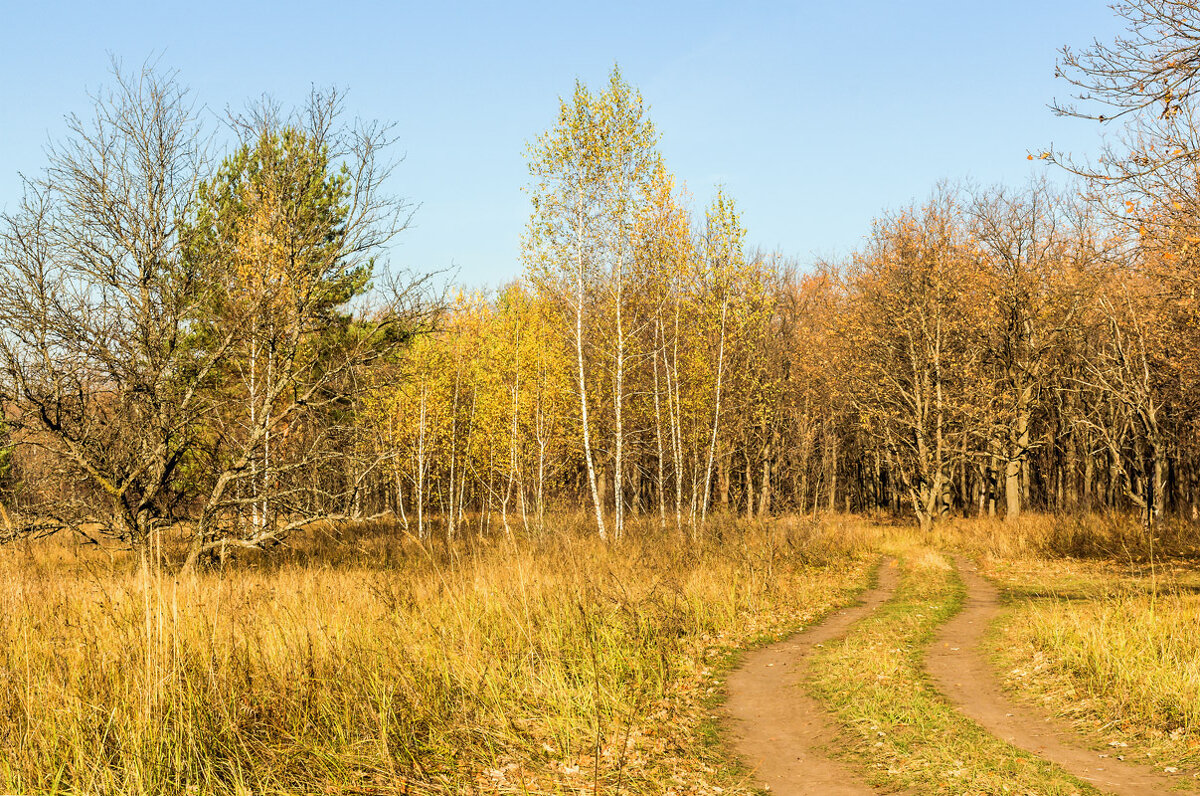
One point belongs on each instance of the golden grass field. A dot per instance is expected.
(1112, 646)
(368, 663)
(379, 665)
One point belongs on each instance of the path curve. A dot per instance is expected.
(962, 673)
(779, 730)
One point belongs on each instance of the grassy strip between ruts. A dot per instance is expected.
(902, 732)
(1111, 647)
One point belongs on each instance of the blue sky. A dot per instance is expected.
(815, 116)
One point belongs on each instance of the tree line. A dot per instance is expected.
(215, 345)
(989, 351)
(985, 353)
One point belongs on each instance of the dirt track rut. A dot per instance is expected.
(780, 731)
(958, 667)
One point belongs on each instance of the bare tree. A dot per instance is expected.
(1147, 78)
(129, 301)
(1155, 65)
(97, 306)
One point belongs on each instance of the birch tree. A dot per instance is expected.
(724, 261)
(588, 172)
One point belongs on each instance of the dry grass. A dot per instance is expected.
(1101, 626)
(1101, 629)
(1112, 647)
(1103, 536)
(377, 665)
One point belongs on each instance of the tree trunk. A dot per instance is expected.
(712, 447)
(618, 401)
(660, 487)
(580, 296)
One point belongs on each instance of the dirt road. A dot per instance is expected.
(780, 731)
(961, 672)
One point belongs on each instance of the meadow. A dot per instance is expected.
(362, 661)
(1107, 638)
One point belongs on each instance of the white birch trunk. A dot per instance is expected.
(712, 447)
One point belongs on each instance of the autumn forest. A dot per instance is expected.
(987, 351)
(668, 512)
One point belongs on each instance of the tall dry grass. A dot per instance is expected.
(1111, 645)
(1138, 653)
(1101, 625)
(379, 665)
(1108, 536)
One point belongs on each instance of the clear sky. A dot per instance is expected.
(815, 116)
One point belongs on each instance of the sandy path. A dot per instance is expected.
(963, 675)
(779, 730)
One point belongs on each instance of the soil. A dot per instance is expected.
(777, 729)
(962, 673)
